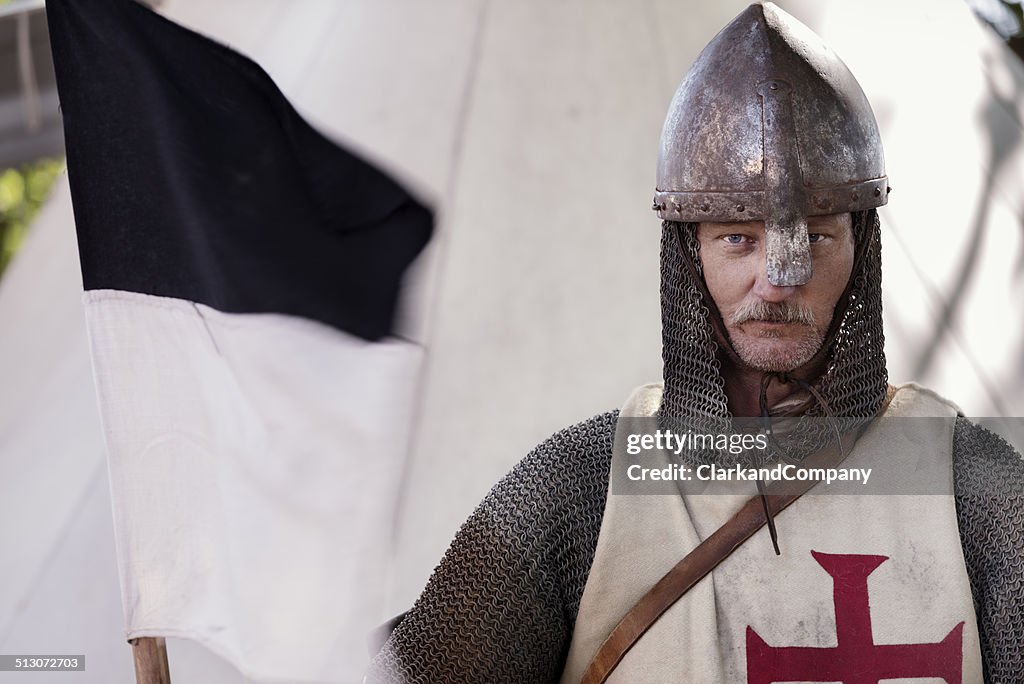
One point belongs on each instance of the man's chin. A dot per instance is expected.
(774, 355)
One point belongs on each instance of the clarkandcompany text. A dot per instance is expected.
(737, 473)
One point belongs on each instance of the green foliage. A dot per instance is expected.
(22, 192)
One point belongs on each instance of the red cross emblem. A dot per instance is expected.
(856, 659)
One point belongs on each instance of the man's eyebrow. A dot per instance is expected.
(727, 227)
(825, 222)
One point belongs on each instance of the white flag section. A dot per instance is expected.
(255, 460)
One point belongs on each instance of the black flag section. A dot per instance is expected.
(193, 177)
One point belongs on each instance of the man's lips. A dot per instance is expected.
(762, 328)
(759, 321)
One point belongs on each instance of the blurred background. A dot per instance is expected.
(532, 128)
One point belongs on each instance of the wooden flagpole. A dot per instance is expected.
(150, 660)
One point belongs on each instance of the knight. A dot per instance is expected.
(769, 175)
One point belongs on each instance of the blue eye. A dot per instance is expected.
(815, 237)
(734, 239)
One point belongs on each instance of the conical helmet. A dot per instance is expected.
(770, 125)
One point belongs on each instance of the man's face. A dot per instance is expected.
(775, 328)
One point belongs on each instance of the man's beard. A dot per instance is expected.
(757, 355)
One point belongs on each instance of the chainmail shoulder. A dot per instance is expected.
(501, 605)
(988, 480)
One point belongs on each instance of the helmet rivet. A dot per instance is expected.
(856, 197)
(774, 86)
(878, 192)
(675, 205)
(705, 207)
(740, 208)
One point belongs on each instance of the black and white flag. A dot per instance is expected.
(241, 276)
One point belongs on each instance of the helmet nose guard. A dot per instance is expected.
(769, 124)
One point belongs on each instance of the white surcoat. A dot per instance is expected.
(887, 569)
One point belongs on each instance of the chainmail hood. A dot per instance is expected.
(854, 381)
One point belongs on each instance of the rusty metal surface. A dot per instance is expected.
(769, 124)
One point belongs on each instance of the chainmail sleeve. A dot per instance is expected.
(501, 605)
(988, 478)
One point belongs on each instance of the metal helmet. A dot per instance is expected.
(769, 125)
(736, 149)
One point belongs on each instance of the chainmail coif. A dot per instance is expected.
(855, 379)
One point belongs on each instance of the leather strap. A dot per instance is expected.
(698, 563)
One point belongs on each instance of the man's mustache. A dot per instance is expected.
(772, 312)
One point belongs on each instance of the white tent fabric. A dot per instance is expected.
(533, 126)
